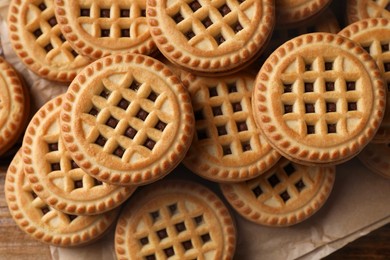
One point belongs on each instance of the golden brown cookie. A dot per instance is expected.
(36, 38)
(286, 195)
(14, 106)
(228, 146)
(362, 9)
(319, 99)
(373, 35)
(376, 158)
(208, 37)
(178, 220)
(44, 223)
(127, 120)
(55, 177)
(100, 28)
(289, 12)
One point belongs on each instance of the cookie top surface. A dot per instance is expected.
(127, 119)
(99, 28)
(228, 146)
(373, 35)
(177, 219)
(14, 106)
(295, 11)
(55, 176)
(285, 195)
(362, 9)
(319, 99)
(44, 223)
(210, 36)
(36, 38)
(376, 158)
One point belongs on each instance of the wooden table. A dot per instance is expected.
(15, 244)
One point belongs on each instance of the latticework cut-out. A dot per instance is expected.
(37, 39)
(203, 35)
(227, 145)
(163, 223)
(315, 95)
(134, 113)
(97, 29)
(326, 101)
(44, 223)
(285, 195)
(57, 178)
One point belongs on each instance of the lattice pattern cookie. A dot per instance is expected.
(127, 120)
(55, 176)
(14, 106)
(319, 99)
(99, 28)
(376, 158)
(228, 146)
(175, 220)
(292, 12)
(286, 195)
(362, 9)
(37, 40)
(44, 223)
(374, 36)
(210, 36)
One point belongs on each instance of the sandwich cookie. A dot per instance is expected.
(127, 120)
(319, 99)
(373, 35)
(175, 219)
(100, 28)
(44, 223)
(55, 177)
(228, 146)
(286, 195)
(37, 40)
(209, 37)
(14, 107)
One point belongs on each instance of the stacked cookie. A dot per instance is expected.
(231, 96)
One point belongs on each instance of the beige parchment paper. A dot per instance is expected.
(359, 202)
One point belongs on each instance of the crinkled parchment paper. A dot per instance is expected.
(359, 202)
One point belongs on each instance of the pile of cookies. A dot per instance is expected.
(261, 98)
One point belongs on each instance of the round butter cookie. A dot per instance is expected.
(286, 195)
(37, 39)
(14, 106)
(376, 158)
(290, 12)
(100, 28)
(55, 177)
(228, 146)
(373, 35)
(127, 119)
(208, 37)
(319, 99)
(362, 9)
(44, 223)
(177, 220)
